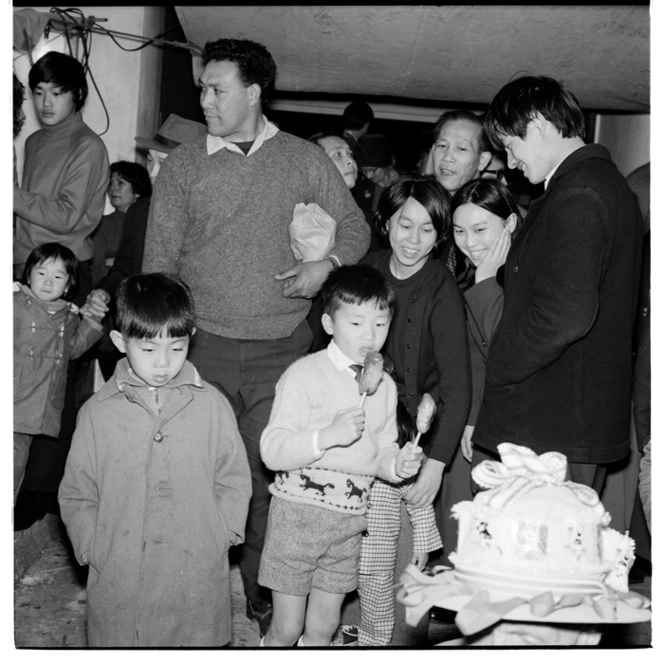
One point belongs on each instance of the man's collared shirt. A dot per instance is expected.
(555, 168)
(216, 143)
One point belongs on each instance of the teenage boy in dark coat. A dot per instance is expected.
(560, 365)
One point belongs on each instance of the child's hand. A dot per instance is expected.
(95, 305)
(494, 257)
(347, 427)
(99, 294)
(420, 560)
(408, 460)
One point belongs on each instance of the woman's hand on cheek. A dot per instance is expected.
(494, 257)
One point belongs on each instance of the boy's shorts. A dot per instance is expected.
(310, 547)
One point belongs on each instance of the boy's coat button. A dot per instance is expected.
(158, 437)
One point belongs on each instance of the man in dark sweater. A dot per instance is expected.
(559, 369)
(219, 219)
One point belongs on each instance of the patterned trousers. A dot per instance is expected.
(378, 557)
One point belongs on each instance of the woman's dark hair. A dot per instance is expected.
(62, 70)
(427, 191)
(518, 102)
(493, 196)
(253, 60)
(314, 138)
(54, 251)
(148, 303)
(18, 95)
(136, 175)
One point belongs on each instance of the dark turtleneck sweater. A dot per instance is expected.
(61, 198)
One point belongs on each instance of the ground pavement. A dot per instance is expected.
(50, 602)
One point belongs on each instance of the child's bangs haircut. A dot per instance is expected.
(148, 304)
(424, 189)
(357, 284)
(518, 102)
(52, 251)
(61, 70)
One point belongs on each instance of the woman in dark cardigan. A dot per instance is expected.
(428, 341)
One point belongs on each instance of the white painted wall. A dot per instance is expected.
(627, 137)
(128, 82)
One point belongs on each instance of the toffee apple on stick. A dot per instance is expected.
(425, 413)
(372, 374)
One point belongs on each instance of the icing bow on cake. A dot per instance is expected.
(523, 468)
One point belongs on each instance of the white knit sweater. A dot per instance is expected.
(308, 396)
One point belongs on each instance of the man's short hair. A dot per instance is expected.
(518, 102)
(463, 114)
(62, 70)
(149, 303)
(135, 174)
(356, 115)
(357, 284)
(254, 62)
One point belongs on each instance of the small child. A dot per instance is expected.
(48, 332)
(157, 486)
(327, 451)
(378, 555)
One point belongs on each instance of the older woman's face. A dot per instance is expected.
(340, 153)
(121, 193)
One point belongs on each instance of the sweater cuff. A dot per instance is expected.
(95, 323)
(316, 449)
(334, 259)
(393, 470)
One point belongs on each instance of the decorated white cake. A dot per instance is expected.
(532, 524)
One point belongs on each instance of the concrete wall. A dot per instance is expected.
(128, 81)
(627, 137)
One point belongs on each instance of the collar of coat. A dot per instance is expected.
(591, 151)
(124, 378)
(54, 305)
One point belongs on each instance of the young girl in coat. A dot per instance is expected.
(428, 345)
(484, 218)
(48, 332)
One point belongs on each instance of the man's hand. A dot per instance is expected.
(467, 443)
(305, 279)
(426, 485)
(408, 460)
(346, 427)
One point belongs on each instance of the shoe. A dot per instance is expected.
(347, 636)
(31, 506)
(261, 612)
(444, 616)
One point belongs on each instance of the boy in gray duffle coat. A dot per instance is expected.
(157, 483)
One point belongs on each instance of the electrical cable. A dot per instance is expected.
(74, 20)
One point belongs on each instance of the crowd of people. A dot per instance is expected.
(243, 406)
